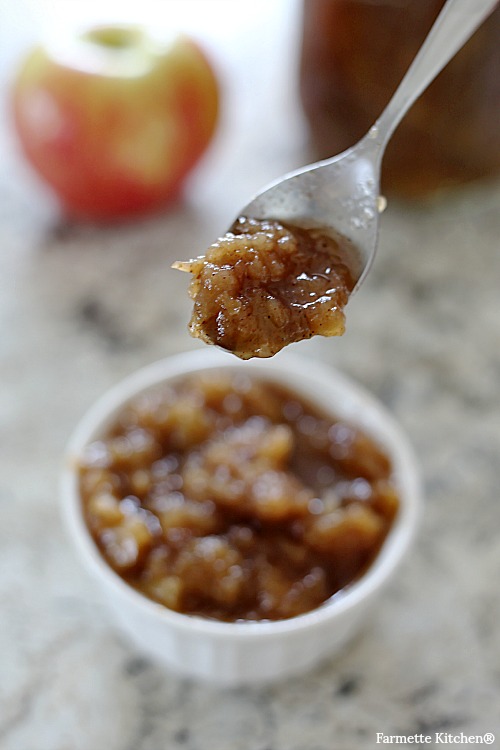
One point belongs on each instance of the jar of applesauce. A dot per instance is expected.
(354, 54)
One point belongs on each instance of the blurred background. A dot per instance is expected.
(82, 304)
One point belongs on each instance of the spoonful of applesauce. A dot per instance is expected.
(286, 268)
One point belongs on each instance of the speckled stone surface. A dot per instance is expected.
(81, 307)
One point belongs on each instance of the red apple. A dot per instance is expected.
(114, 120)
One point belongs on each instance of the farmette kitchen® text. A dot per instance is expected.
(437, 738)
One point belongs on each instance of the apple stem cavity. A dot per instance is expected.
(112, 37)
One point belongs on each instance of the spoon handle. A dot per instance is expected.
(453, 27)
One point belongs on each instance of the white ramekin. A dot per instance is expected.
(241, 653)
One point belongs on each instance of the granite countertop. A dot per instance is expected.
(82, 306)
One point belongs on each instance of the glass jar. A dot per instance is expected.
(354, 54)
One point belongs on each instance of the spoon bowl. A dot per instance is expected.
(341, 195)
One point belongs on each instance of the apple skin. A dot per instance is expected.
(116, 121)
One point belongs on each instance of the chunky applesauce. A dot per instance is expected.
(232, 498)
(265, 285)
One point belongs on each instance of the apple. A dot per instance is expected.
(114, 119)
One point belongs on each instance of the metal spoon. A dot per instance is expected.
(341, 194)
